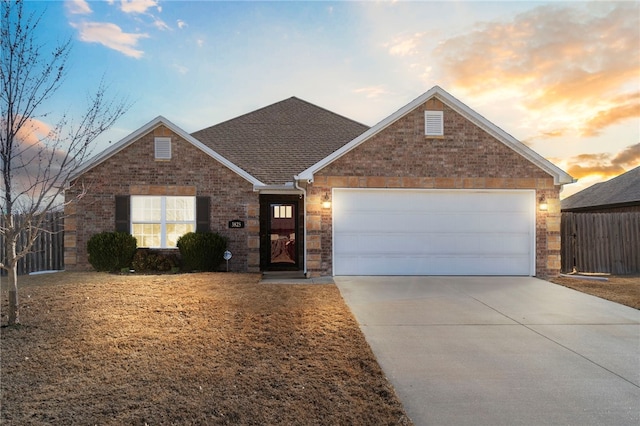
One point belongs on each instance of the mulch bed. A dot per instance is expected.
(187, 349)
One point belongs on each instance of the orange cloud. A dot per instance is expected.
(555, 132)
(33, 132)
(627, 106)
(565, 60)
(604, 165)
(630, 156)
(603, 170)
(37, 149)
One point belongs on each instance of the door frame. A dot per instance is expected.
(266, 200)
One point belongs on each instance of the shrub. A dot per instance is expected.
(111, 251)
(201, 251)
(146, 260)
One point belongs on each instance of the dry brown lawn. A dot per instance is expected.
(187, 349)
(621, 289)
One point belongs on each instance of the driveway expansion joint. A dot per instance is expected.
(528, 327)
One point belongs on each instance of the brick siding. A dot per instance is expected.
(134, 171)
(401, 156)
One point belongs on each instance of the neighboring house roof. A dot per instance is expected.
(560, 177)
(617, 192)
(276, 142)
(156, 122)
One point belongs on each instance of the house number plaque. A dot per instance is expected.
(236, 224)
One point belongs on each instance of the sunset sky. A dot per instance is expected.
(562, 77)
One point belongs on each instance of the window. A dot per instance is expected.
(159, 221)
(433, 123)
(282, 212)
(162, 148)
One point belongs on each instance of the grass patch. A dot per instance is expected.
(187, 349)
(620, 289)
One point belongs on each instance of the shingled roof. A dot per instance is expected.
(278, 141)
(617, 192)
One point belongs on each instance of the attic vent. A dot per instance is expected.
(163, 148)
(433, 125)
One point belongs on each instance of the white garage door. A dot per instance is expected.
(433, 232)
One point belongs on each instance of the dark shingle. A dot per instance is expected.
(622, 189)
(278, 141)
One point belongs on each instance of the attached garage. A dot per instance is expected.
(433, 232)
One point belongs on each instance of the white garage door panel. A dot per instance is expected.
(432, 265)
(416, 232)
(436, 243)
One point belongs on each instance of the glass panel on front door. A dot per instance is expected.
(282, 232)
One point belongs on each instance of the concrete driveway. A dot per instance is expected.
(500, 350)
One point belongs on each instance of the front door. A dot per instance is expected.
(279, 231)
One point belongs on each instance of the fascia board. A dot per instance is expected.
(560, 177)
(117, 147)
(287, 188)
(160, 120)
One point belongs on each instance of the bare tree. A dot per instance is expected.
(37, 159)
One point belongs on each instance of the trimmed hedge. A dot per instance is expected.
(201, 251)
(111, 251)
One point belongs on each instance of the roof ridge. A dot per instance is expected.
(257, 140)
(243, 115)
(329, 111)
(277, 103)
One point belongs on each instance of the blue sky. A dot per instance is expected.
(563, 77)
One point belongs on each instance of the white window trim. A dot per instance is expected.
(162, 148)
(163, 219)
(433, 123)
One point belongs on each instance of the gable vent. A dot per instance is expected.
(163, 148)
(433, 123)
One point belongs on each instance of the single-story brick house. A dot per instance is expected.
(433, 189)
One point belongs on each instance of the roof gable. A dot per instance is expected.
(275, 142)
(560, 177)
(156, 122)
(621, 190)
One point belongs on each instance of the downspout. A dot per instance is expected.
(304, 194)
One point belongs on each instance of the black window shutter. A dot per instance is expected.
(203, 206)
(123, 211)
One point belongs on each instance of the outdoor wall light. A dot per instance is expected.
(326, 202)
(542, 204)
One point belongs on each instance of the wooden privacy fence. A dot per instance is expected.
(47, 252)
(601, 242)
